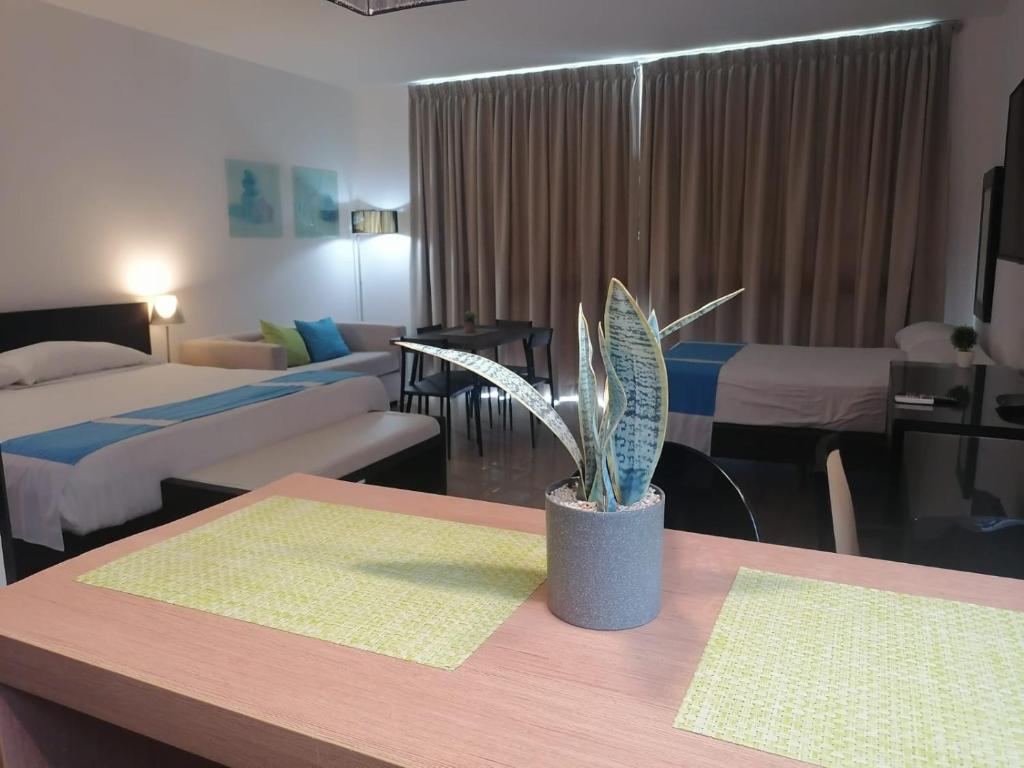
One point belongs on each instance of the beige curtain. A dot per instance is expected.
(521, 193)
(813, 174)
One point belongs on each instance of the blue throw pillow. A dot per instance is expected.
(322, 340)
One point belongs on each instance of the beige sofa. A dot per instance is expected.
(372, 353)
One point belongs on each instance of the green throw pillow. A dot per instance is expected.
(288, 338)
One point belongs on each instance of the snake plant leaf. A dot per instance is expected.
(587, 407)
(634, 353)
(652, 320)
(685, 320)
(515, 385)
(615, 407)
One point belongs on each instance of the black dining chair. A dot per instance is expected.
(700, 497)
(416, 369)
(525, 326)
(445, 385)
(6, 540)
(539, 339)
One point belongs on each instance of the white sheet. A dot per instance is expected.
(122, 481)
(841, 388)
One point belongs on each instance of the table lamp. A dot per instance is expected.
(370, 222)
(166, 312)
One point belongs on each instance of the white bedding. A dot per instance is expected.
(122, 481)
(841, 388)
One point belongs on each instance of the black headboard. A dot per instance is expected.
(124, 324)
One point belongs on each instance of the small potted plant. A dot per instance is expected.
(964, 338)
(469, 321)
(604, 524)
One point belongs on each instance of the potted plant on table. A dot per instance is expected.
(604, 525)
(469, 321)
(964, 339)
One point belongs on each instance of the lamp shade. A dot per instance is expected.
(374, 222)
(166, 311)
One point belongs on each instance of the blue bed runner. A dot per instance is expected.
(69, 445)
(693, 368)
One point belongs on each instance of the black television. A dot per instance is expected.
(1011, 234)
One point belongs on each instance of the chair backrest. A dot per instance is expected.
(540, 337)
(844, 523)
(700, 496)
(8, 572)
(514, 323)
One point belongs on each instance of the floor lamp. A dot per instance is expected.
(370, 222)
(166, 312)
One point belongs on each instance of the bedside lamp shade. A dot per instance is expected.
(374, 222)
(166, 311)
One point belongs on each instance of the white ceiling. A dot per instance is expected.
(317, 39)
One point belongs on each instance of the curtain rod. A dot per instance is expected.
(646, 58)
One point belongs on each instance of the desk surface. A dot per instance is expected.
(539, 692)
(977, 387)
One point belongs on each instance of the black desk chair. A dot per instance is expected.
(445, 385)
(700, 497)
(503, 399)
(416, 369)
(6, 540)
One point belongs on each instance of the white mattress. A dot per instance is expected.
(122, 481)
(840, 388)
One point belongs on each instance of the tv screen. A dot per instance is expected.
(1011, 236)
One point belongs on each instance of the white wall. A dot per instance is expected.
(112, 149)
(380, 179)
(988, 62)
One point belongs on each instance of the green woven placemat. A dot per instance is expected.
(837, 675)
(416, 588)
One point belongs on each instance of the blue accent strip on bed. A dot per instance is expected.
(209, 405)
(693, 369)
(314, 377)
(69, 445)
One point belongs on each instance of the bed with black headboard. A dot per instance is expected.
(124, 324)
(63, 506)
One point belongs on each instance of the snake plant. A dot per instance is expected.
(620, 443)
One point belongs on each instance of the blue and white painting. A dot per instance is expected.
(254, 199)
(315, 197)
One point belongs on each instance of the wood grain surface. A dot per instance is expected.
(538, 693)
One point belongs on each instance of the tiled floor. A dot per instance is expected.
(782, 497)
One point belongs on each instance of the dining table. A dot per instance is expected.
(94, 672)
(478, 339)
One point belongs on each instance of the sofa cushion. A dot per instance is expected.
(323, 340)
(289, 338)
(373, 363)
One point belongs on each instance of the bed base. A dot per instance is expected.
(421, 467)
(796, 445)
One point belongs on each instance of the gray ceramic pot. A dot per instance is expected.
(604, 570)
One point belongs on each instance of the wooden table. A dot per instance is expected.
(538, 693)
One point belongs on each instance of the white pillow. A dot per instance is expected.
(919, 333)
(59, 359)
(942, 351)
(8, 376)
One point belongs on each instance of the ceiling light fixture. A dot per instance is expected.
(377, 7)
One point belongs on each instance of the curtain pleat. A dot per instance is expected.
(521, 193)
(813, 174)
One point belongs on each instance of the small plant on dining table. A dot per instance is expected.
(469, 321)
